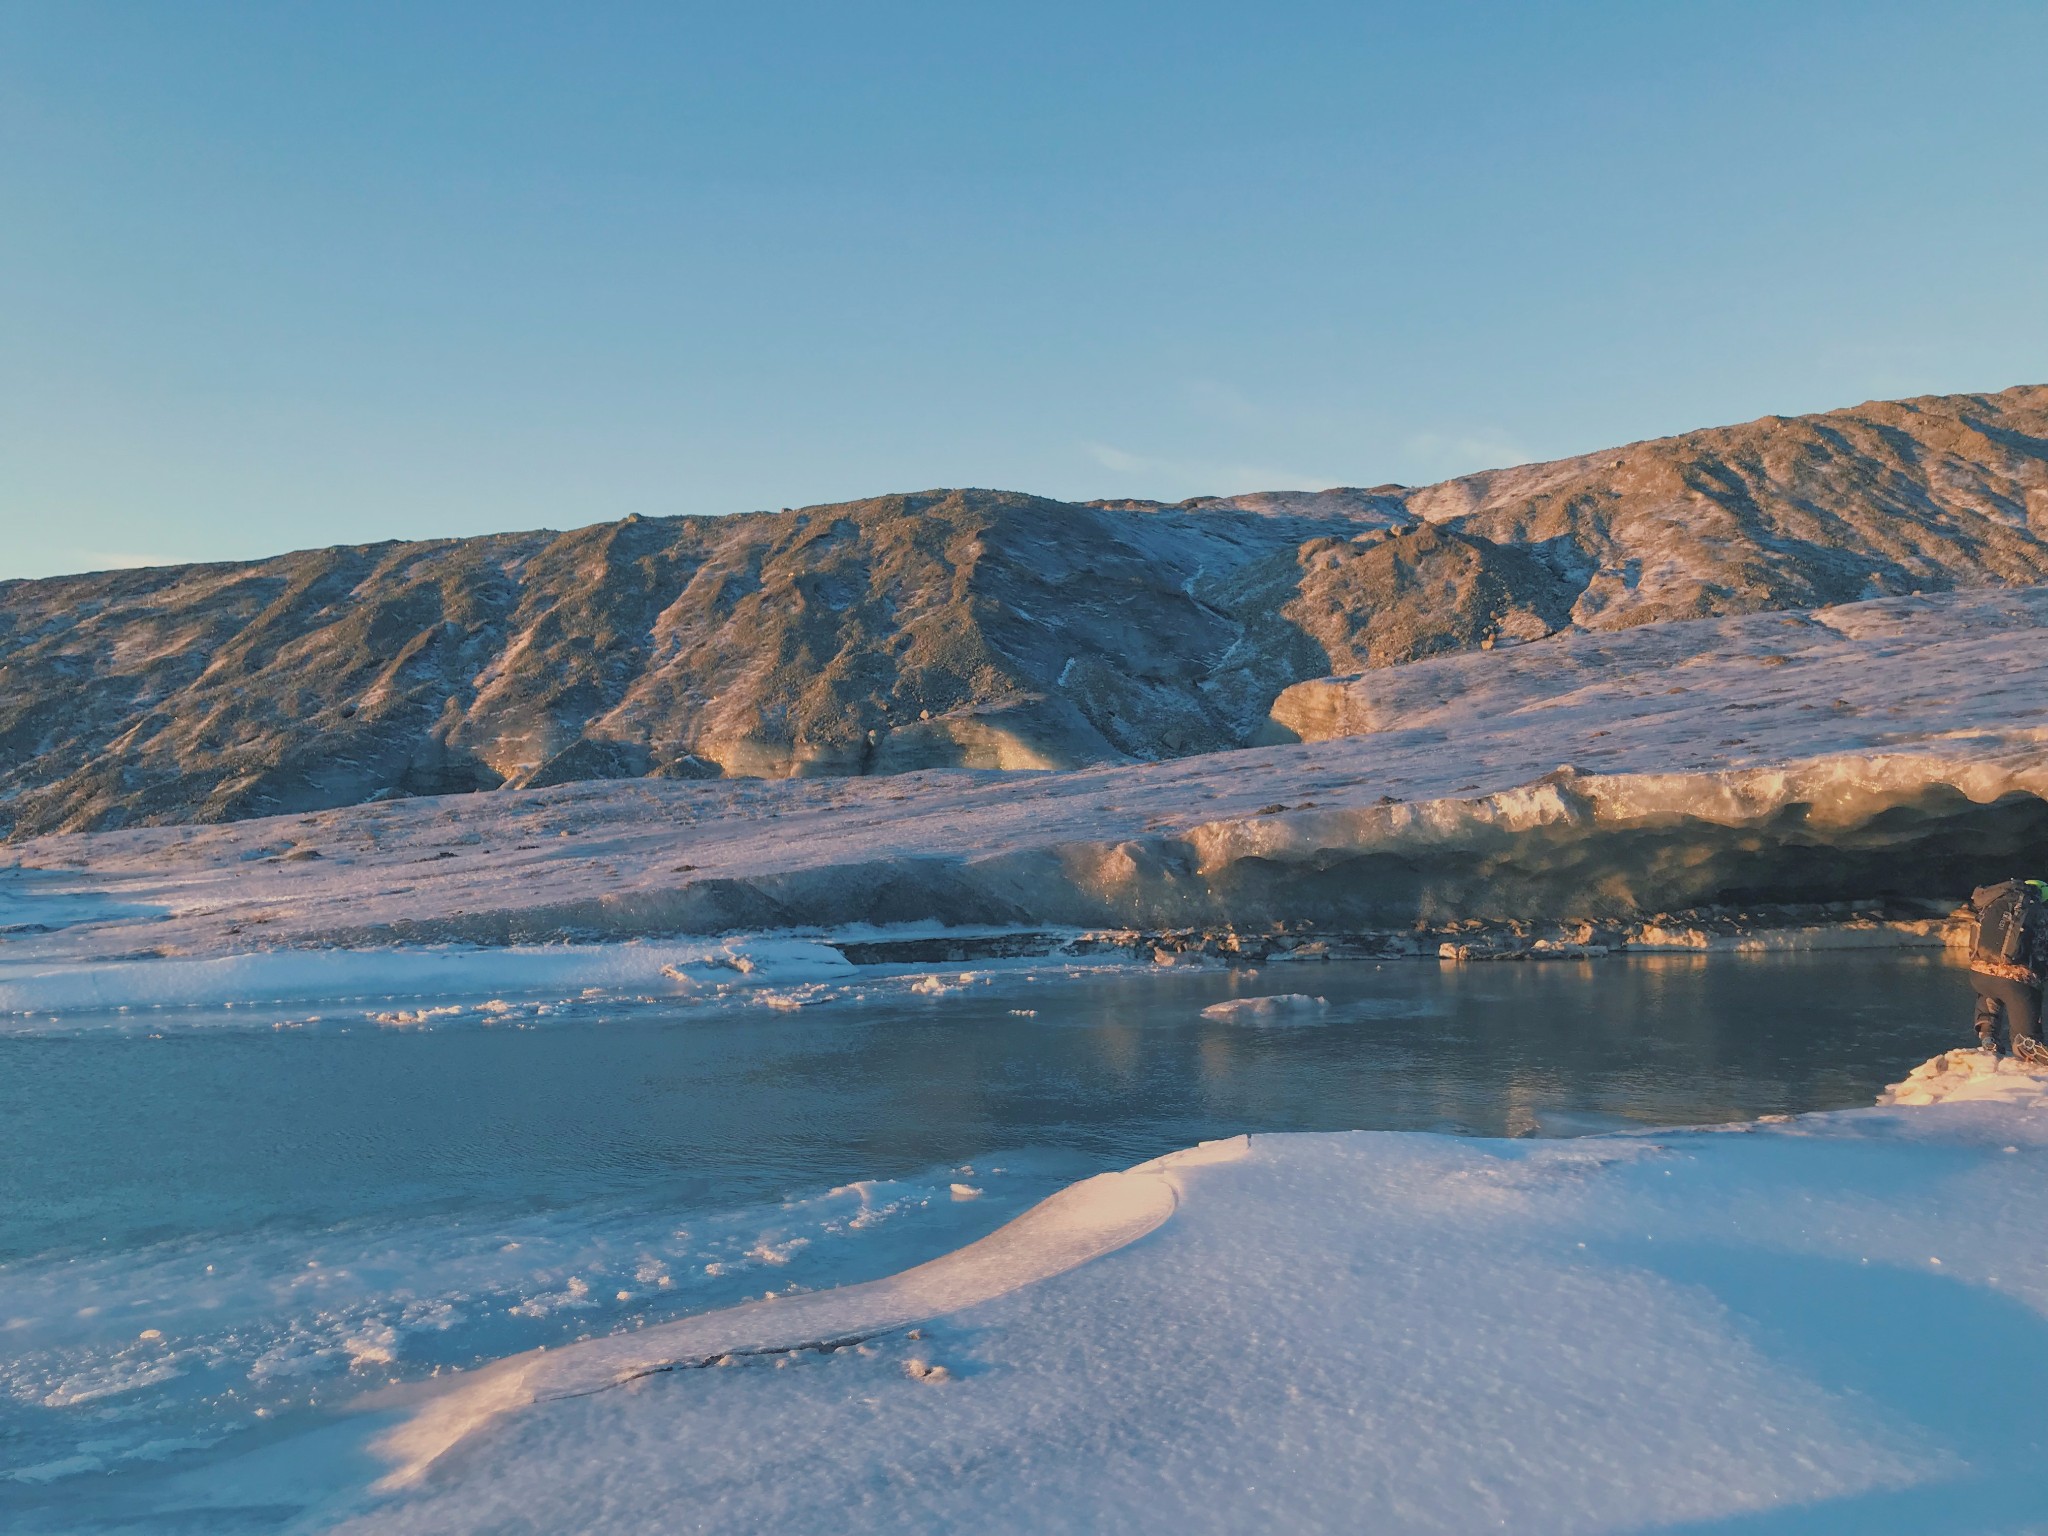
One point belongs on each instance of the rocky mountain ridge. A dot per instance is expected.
(958, 628)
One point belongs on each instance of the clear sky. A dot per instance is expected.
(277, 275)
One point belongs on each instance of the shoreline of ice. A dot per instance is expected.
(1405, 1330)
(1300, 1327)
(419, 984)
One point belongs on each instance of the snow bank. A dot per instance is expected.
(282, 976)
(1972, 1077)
(1079, 1223)
(1834, 1323)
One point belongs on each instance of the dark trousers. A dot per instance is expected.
(2019, 1002)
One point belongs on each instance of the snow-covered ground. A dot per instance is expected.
(1832, 1323)
(1871, 747)
(218, 1236)
(1860, 676)
(1828, 1324)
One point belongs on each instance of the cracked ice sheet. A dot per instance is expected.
(1839, 1319)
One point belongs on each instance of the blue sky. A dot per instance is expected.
(279, 275)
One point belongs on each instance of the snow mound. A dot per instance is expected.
(1971, 1077)
(1286, 1008)
(1081, 1222)
(1406, 1334)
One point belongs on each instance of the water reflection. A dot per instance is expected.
(121, 1139)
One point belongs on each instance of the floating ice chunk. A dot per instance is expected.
(414, 1018)
(938, 986)
(110, 1380)
(376, 1345)
(575, 1293)
(790, 999)
(1286, 1008)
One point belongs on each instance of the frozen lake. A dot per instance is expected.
(214, 1231)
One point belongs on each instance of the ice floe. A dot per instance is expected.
(1284, 1008)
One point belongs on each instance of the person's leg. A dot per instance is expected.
(2023, 1020)
(1988, 1015)
(2020, 1004)
(1991, 1009)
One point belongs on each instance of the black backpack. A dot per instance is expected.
(2006, 912)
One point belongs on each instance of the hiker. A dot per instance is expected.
(2008, 962)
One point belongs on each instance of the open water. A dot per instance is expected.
(215, 1232)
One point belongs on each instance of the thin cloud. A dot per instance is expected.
(1118, 462)
(1218, 401)
(1202, 477)
(1444, 454)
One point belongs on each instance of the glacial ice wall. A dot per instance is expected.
(1892, 751)
(1568, 847)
